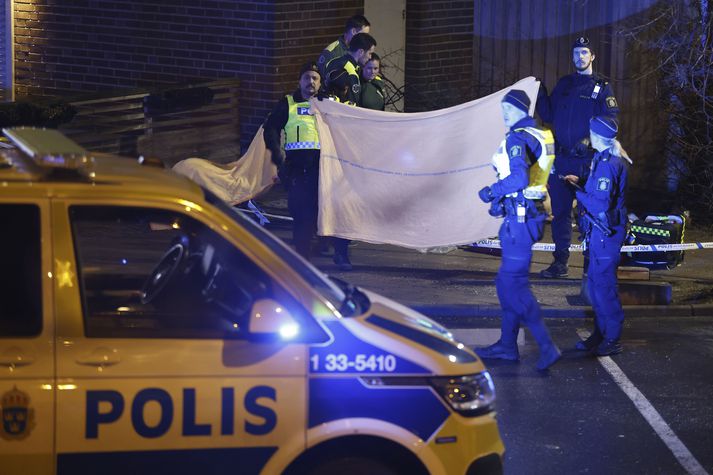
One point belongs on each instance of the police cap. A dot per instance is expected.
(582, 42)
(309, 66)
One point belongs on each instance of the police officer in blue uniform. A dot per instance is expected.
(522, 226)
(575, 99)
(605, 230)
(298, 165)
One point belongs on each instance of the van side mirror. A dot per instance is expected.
(270, 321)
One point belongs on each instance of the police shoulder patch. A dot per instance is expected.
(603, 184)
(611, 102)
(356, 88)
(515, 151)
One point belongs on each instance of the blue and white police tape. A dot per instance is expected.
(544, 246)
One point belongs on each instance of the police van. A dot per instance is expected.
(148, 327)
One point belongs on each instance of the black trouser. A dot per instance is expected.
(302, 201)
(562, 198)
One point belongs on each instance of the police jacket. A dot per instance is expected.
(342, 79)
(372, 94)
(522, 149)
(336, 49)
(274, 125)
(603, 194)
(575, 99)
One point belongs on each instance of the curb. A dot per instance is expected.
(464, 315)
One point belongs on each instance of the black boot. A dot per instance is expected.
(342, 262)
(608, 348)
(591, 342)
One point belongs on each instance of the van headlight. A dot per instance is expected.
(470, 395)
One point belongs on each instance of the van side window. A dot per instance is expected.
(21, 275)
(151, 273)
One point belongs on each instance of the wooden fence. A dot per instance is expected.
(199, 120)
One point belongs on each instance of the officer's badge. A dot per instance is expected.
(303, 111)
(356, 88)
(603, 184)
(515, 151)
(321, 59)
(611, 102)
(18, 418)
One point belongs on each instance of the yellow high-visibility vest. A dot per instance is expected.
(539, 171)
(301, 127)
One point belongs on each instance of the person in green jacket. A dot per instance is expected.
(372, 86)
(338, 48)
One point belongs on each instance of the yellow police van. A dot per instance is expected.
(148, 327)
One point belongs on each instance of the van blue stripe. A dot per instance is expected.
(439, 345)
(416, 409)
(249, 461)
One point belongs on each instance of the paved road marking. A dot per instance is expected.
(682, 454)
(482, 336)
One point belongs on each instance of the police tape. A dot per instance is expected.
(542, 246)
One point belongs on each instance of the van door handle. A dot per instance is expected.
(14, 357)
(100, 357)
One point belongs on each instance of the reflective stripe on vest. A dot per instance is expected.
(301, 127)
(539, 171)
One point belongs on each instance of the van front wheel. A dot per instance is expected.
(352, 466)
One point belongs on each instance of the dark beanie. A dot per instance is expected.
(519, 99)
(309, 66)
(604, 126)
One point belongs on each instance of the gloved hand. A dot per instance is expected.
(486, 194)
(497, 209)
(581, 148)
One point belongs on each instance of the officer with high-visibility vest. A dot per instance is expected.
(298, 164)
(523, 164)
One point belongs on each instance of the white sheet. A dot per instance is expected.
(410, 179)
(405, 179)
(234, 182)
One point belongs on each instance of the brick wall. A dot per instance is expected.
(72, 47)
(439, 54)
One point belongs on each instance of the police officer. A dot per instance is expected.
(603, 200)
(298, 164)
(372, 86)
(575, 99)
(337, 49)
(523, 162)
(342, 75)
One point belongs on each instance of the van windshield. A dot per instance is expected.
(328, 289)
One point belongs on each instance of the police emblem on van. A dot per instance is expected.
(18, 418)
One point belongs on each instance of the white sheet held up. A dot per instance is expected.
(237, 181)
(410, 179)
